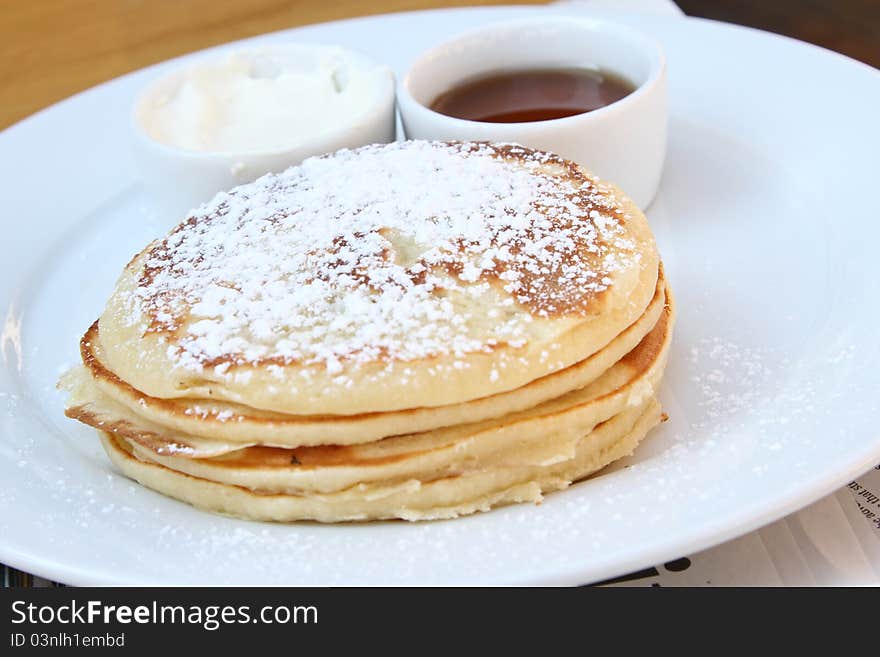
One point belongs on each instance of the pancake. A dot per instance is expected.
(443, 498)
(546, 433)
(417, 330)
(399, 276)
(236, 423)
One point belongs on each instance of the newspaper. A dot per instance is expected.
(834, 542)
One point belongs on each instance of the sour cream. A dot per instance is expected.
(263, 99)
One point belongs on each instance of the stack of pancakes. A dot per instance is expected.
(415, 330)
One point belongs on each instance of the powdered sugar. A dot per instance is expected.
(388, 251)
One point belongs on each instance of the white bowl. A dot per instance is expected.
(178, 179)
(624, 142)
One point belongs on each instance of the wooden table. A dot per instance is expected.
(51, 49)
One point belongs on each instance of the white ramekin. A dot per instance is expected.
(177, 179)
(624, 142)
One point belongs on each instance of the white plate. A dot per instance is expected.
(767, 219)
